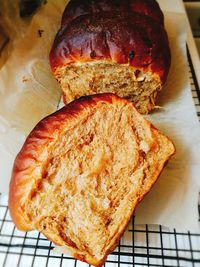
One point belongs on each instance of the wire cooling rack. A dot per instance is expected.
(152, 246)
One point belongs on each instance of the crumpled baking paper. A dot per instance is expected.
(28, 92)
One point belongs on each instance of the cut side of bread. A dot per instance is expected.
(83, 170)
(137, 85)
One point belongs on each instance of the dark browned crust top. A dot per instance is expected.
(132, 39)
(76, 8)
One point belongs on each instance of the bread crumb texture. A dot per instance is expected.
(92, 174)
(79, 79)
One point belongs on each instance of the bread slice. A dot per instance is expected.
(126, 54)
(83, 170)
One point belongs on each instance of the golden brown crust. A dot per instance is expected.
(77, 8)
(27, 163)
(131, 39)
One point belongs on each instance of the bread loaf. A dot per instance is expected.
(83, 170)
(122, 52)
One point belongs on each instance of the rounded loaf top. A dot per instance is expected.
(124, 38)
(76, 8)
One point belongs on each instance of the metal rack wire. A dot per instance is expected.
(152, 246)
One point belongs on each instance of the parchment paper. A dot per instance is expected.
(28, 92)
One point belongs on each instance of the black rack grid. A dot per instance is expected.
(152, 246)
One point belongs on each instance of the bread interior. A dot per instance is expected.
(85, 78)
(94, 175)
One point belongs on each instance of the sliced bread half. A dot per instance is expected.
(83, 170)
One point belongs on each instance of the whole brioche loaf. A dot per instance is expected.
(83, 170)
(119, 51)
